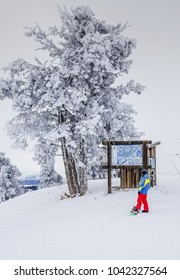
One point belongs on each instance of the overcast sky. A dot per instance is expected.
(155, 24)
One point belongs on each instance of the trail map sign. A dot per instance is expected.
(130, 157)
(127, 155)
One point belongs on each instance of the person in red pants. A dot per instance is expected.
(144, 185)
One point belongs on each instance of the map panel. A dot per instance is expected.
(127, 155)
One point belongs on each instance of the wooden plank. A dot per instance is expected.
(138, 142)
(120, 183)
(145, 158)
(127, 178)
(126, 166)
(123, 178)
(137, 177)
(132, 178)
(109, 155)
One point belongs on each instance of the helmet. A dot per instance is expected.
(143, 171)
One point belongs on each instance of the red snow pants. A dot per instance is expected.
(142, 199)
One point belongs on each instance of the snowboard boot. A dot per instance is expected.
(134, 211)
(145, 211)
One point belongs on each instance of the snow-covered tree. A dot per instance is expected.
(9, 176)
(45, 157)
(72, 100)
(57, 179)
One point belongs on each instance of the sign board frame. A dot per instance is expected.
(127, 171)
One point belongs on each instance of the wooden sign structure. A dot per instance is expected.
(130, 157)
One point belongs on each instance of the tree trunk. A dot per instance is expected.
(70, 170)
(82, 172)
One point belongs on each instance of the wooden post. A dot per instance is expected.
(123, 178)
(136, 177)
(109, 156)
(145, 163)
(128, 178)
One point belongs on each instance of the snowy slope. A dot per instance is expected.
(39, 225)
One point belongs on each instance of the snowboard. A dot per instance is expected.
(133, 213)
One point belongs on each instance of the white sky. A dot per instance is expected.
(156, 26)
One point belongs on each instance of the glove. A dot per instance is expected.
(139, 192)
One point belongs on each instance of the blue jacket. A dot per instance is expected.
(144, 184)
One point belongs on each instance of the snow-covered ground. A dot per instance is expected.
(39, 225)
